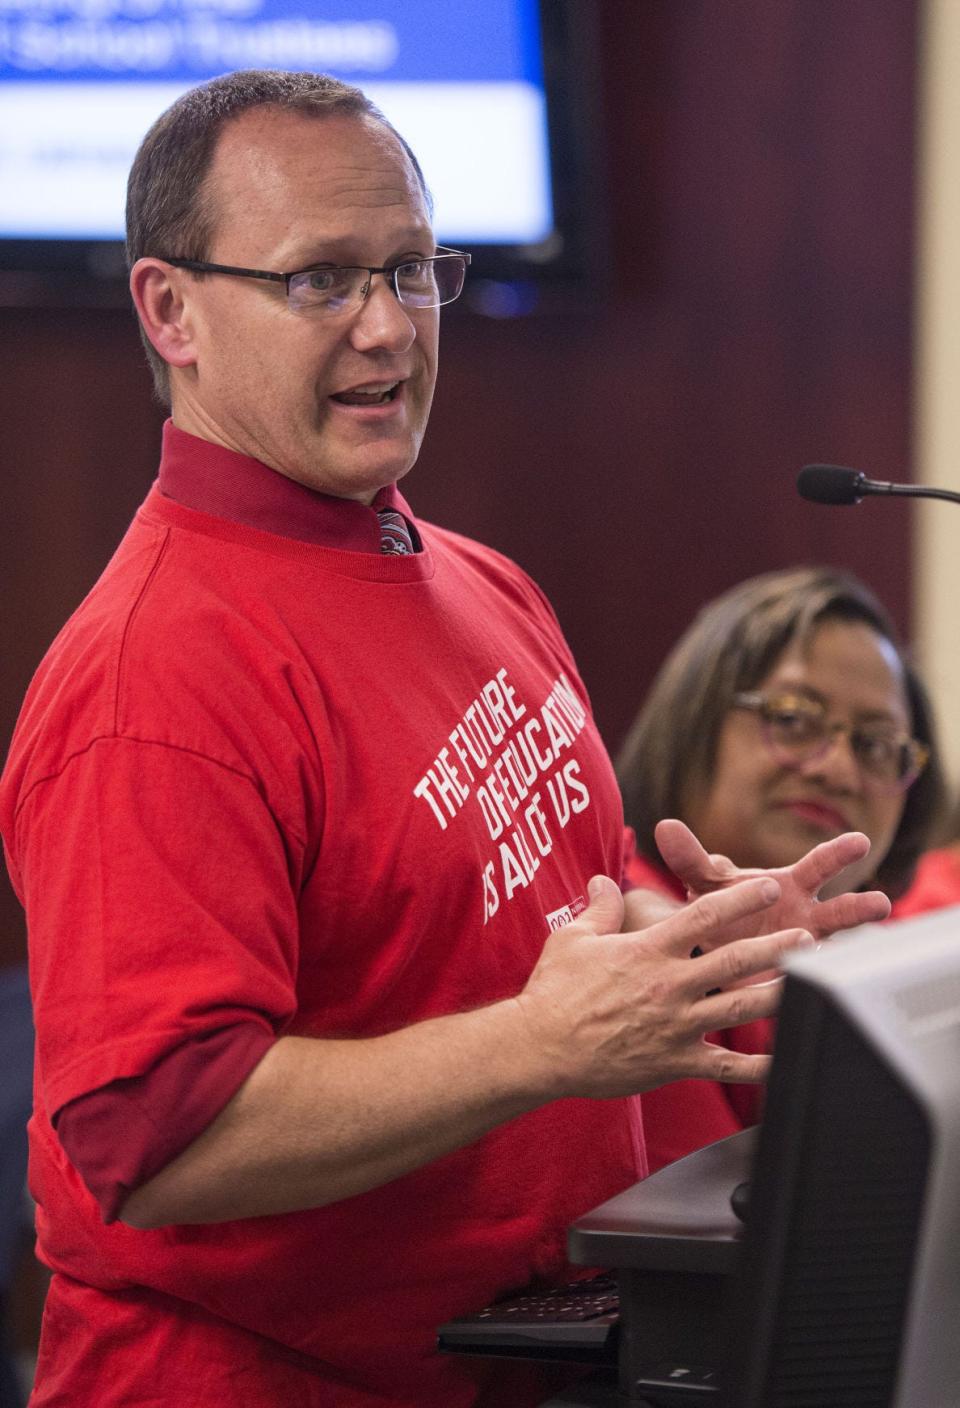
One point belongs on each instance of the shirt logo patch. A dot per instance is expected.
(566, 914)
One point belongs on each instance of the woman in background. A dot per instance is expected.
(787, 714)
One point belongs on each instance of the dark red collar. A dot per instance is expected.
(214, 480)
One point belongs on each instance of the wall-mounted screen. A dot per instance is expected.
(466, 83)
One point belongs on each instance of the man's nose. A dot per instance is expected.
(382, 320)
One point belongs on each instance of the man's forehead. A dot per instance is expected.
(270, 147)
(284, 185)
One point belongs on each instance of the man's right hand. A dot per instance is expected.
(603, 1014)
(615, 1013)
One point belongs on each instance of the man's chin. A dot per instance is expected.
(347, 476)
(362, 471)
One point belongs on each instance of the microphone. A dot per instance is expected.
(835, 484)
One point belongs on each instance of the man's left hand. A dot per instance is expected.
(798, 906)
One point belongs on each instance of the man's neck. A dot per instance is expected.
(212, 478)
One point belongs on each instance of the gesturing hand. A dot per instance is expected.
(608, 1013)
(799, 883)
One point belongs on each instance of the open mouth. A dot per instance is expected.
(373, 394)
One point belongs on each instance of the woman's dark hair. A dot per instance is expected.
(734, 642)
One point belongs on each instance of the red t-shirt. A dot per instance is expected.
(313, 791)
(120, 1134)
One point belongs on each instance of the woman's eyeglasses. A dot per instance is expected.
(798, 730)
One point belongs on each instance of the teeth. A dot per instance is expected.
(375, 389)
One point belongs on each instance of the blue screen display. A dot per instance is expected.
(82, 80)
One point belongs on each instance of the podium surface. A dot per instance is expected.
(678, 1219)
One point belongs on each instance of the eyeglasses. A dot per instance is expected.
(797, 729)
(417, 283)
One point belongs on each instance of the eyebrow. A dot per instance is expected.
(340, 250)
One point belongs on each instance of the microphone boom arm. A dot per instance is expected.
(835, 484)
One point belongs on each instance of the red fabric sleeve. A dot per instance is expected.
(151, 929)
(161, 902)
(629, 852)
(642, 874)
(119, 1136)
(935, 885)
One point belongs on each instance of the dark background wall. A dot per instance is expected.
(636, 454)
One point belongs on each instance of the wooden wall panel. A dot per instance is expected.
(638, 455)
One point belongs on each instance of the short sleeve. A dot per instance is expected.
(161, 899)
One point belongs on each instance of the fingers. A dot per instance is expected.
(641, 908)
(746, 958)
(847, 911)
(733, 1009)
(698, 923)
(828, 859)
(711, 1062)
(604, 913)
(688, 860)
(680, 849)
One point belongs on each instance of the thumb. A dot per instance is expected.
(676, 842)
(684, 855)
(604, 914)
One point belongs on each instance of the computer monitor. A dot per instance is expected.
(848, 1288)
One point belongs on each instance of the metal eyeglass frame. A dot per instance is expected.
(389, 271)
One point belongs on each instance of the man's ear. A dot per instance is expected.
(158, 293)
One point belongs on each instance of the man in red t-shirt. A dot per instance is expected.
(340, 1010)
